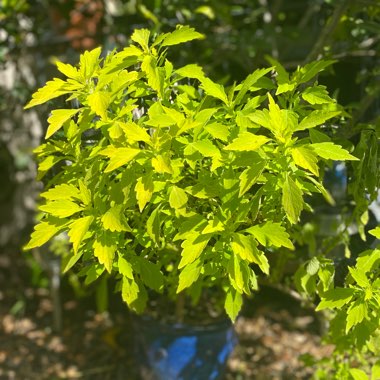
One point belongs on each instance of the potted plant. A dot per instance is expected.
(173, 184)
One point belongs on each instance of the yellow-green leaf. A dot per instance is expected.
(180, 35)
(141, 36)
(250, 176)
(191, 71)
(305, 158)
(316, 118)
(292, 200)
(99, 102)
(119, 157)
(177, 198)
(247, 141)
(189, 275)
(331, 151)
(161, 164)
(233, 303)
(125, 268)
(63, 191)
(192, 249)
(112, 219)
(62, 208)
(42, 233)
(68, 70)
(57, 119)
(144, 190)
(78, 230)
(135, 133)
(214, 89)
(104, 250)
(244, 246)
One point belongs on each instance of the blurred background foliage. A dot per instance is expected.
(240, 35)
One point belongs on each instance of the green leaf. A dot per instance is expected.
(144, 190)
(191, 71)
(69, 261)
(177, 198)
(376, 371)
(125, 268)
(51, 90)
(153, 225)
(331, 151)
(292, 200)
(318, 137)
(359, 276)
(312, 266)
(189, 275)
(249, 82)
(316, 95)
(356, 314)
(375, 232)
(135, 133)
(271, 234)
(61, 208)
(218, 131)
(245, 247)
(47, 164)
(233, 303)
(247, 141)
(42, 233)
(250, 176)
(180, 35)
(63, 191)
(112, 219)
(310, 70)
(151, 275)
(104, 250)
(99, 102)
(78, 230)
(213, 225)
(192, 249)
(358, 374)
(153, 73)
(141, 36)
(57, 119)
(368, 260)
(161, 164)
(214, 89)
(335, 298)
(88, 62)
(305, 158)
(85, 193)
(236, 274)
(68, 70)
(119, 157)
(206, 148)
(129, 291)
(316, 118)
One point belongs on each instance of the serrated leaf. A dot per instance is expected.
(85, 193)
(153, 225)
(42, 233)
(129, 291)
(78, 230)
(57, 119)
(51, 90)
(180, 35)
(119, 157)
(47, 164)
(88, 62)
(359, 276)
(331, 151)
(235, 273)
(292, 200)
(191, 71)
(245, 247)
(375, 232)
(214, 89)
(368, 260)
(335, 298)
(99, 102)
(177, 198)
(233, 303)
(144, 190)
(318, 136)
(214, 225)
(68, 70)
(69, 261)
(355, 314)
(358, 374)
(62, 208)
(151, 275)
(250, 176)
(161, 164)
(271, 234)
(153, 73)
(310, 70)
(218, 131)
(247, 141)
(316, 95)
(312, 266)
(135, 133)
(112, 219)
(249, 82)
(192, 249)
(206, 148)
(141, 36)
(316, 118)
(305, 158)
(63, 191)
(104, 250)
(189, 275)
(125, 268)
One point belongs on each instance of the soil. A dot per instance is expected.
(273, 331)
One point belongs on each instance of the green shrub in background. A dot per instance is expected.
(173, 184)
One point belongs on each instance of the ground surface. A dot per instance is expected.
(273, 332)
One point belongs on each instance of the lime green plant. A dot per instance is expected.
(173, 183)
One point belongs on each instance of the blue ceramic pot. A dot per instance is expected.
(183, 352)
